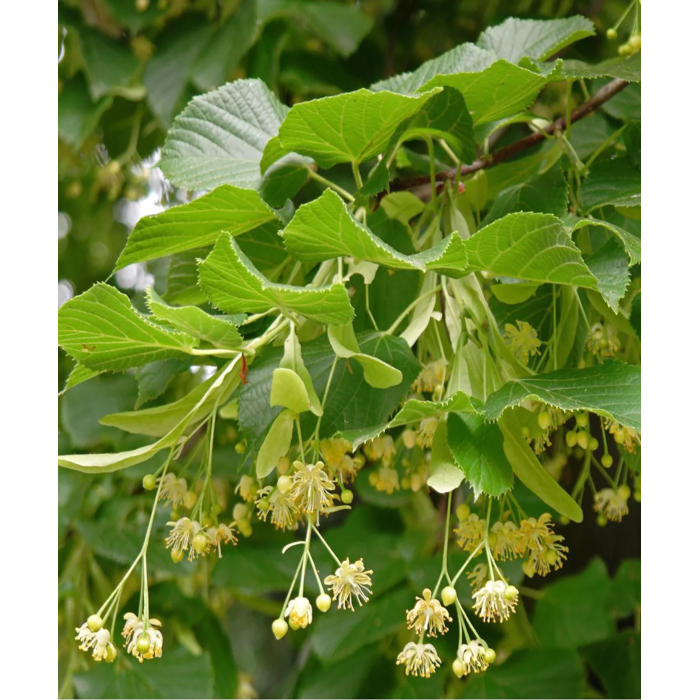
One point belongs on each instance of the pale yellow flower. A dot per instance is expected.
(523, 340)
(385, 479)
(221, 534)
(247, 488)
(477, 577)
(181, 535)
(602, 341)
(311, 487)
(172, 489)
(381, 447)
(98, 641)
(420, 659)
(472, 655)
(431, 376)
(627, 438)
(134, 628)
(612, 504)
(506, 540)
(350, 580)
(426, 432)
(299, 612)
(428, 615)
(284, 515)
(493, 601)
(470, 532)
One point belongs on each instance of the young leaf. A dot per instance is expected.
(196, 224)
(324, 229)
(529, 470)
(609, 264)
(218, 331)
(276, 444)
(233, 285)
(538, 39)
(348, 128)
(444, 475)
(182, 278)
(477, 447)
(613, 390)
(219, 138)
(376, 372)
(79, 374)
(155, 377)
(102, 330)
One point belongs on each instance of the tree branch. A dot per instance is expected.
(606, 93)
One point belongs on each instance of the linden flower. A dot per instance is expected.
(628, 438)
(172, 489)
(426, 432)
(612, 504)
(311, 488)
(495, 600)
(420, 659)
(506, 540)
(477, 577)
(181, 535)
(523, 340)
(221, 534)
(247, 488)
(602, 341)
(385, 479)
(333, 450)
(381, 447)
(428, 615)
(543, 545)
(470, 532)
(350, 580)
(134, 631)
(98, 641)
(284, 515)
(472, 655)
(432, 375)
(299, 612)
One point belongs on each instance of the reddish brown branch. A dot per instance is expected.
(606, 93)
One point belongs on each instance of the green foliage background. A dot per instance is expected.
(124, 75)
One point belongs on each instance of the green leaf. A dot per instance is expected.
(276, 444)
(168, 71)
(633, 143)
(110, 462)
(292, 385)
(618, 663)
(538, 39)
(342, 26)
(627, 588)
(501, 90)
(531, 673)
(609, 264)
(324, 229)
(196, 224)
(534, 247)
(402, 206)
(444, 116)
(533, 475)
(631, 243)
(546, 193)
(226, 46)
(182, 278)
(444, 475)
(377, 373)
(414, 410)
(352, 127)
(477, 447)
(78, 115)
(220, 137)
(232, 284)
(155, 377)
(160, 420)
(102, 330)
(629, 69)
(110, 65)
(615, 182)
(635, 317)
(79, 374)
(613, 390)
(515, 292)
(179, 674)
(574, 610)
(219, 331)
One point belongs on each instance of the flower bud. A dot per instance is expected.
(240, 512)
(458, 668)
(611, 33)
(571, 438)
(94, 623)
(624, 491)
(149, 482)
(582, 440)
(607, 461)
(111, 653)
(463, 511)
(448, 595)
(323, 602)
(593, 444)
(511, 592)
(283, 465)
(544, 420)
(190, 500)
(279, 628)
(582, 420)
(409, 438)
(635, 42)
(489, 656)
(177, 555)
(200, 542)
(143, 643)
(284, 484)
(347, 497)
(245, 527)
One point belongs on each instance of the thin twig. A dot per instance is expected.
(606, 93)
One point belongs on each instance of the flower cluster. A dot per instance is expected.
(93, 636)
(191, 538)
(144, 641)
(522, 341)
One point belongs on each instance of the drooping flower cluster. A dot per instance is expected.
(350, 580)
(93, 636)
(141, 640)
(189, 537)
